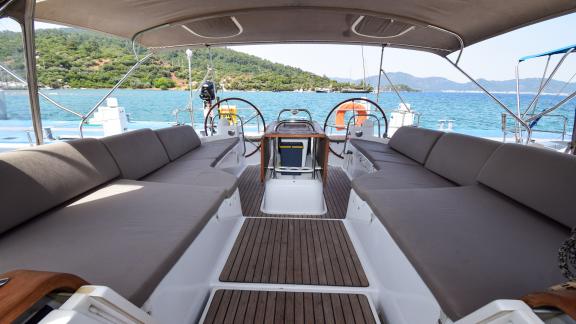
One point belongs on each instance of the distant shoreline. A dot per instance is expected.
(235, 90)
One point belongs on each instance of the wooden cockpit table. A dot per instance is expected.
(296, 129)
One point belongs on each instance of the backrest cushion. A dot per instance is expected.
(541, 179)
(137, 153)
(178, 140)
(414, 142)
(459, 158)
(36, 179)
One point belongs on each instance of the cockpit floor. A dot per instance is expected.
(294, 251)
(245, 306)
(336, 194)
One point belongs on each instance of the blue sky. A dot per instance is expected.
(493, 59)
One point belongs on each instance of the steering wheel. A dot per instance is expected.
(359, 116)
(251, 123)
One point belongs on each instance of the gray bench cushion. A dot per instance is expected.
(194, 163)
(214, 150)
(137, 153)
(392, 157)
(471, 245)
(190, 174)
(126, 235)
(37, 179)
(538, 178)
(414, 142)
(460, 157)
(365, 146)
(380, 154)
(398, 176)
(178, 140)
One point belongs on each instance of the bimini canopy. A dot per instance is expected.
(438, 26)
(562, 50)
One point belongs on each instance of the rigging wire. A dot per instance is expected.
(363, 67)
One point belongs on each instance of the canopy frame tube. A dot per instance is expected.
(551, 109)
(32, 76)
(5, 6)
(25, 17)
(41, 94)
(543, 86)
(116, 86)
(496, 100)
(380, 74)
(392, 85)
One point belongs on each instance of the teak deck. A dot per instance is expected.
(336, 194)
(245, 306)
(294, 251)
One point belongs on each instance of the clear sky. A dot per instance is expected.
(493, 59)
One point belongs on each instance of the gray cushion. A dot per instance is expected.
(381, 154)
(214, 150)
(194, 163)
(178, 140)
(365, 146)
(137, 153)
(37, 179)
(390, 157)
(190, 174)
(414, 142)
(471, 245)
(126, 235)
(382, 165)
(538, 178)
(398, 176)
(460, 157)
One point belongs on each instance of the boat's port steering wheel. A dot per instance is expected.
(359, 114)
(243, 114)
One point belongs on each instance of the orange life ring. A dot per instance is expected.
(357, 108)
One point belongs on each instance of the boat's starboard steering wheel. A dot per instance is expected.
(359, 116)
(247, 116)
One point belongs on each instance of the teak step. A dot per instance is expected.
(245, 306)
(294, 251)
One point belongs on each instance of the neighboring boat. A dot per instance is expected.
(352, 90)
(278, 221)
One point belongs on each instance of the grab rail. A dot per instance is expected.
(295, 112)
(219, 115)
(347, 136)
(563, 132)
(294, 121)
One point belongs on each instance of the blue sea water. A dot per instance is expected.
(473, 113)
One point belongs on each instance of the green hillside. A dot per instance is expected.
(79, 59)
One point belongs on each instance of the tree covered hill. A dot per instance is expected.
(80, 59)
